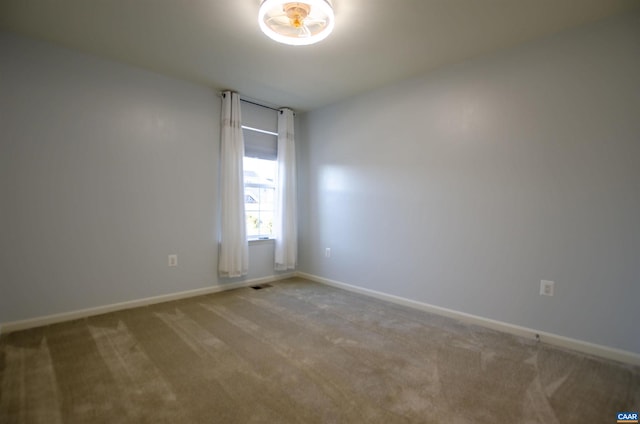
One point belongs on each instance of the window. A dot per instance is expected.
(259, 196)
(259, 128)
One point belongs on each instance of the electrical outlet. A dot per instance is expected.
(173, 260)
(327, 252)
(546, 288)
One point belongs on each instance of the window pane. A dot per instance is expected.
(259, 195)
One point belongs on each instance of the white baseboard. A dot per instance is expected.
(550, 338)
(9, 327)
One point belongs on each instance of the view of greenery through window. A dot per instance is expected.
(259, 196)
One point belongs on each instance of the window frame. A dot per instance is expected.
(259, 186)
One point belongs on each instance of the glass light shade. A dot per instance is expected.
(296, 23)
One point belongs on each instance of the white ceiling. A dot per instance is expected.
(218, 42)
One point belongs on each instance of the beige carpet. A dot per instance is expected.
(298, 352)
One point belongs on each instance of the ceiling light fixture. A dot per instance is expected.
(296, 23)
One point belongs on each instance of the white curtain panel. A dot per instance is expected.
(233, 259)
(285, 222)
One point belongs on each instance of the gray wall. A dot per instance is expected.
(104, 170)
(464, 188)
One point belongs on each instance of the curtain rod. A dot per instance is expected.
(258, 104)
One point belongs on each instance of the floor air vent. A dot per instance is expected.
(261, 286)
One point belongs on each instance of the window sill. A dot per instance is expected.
(260, 240)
